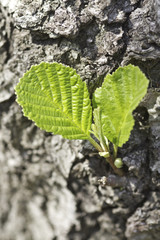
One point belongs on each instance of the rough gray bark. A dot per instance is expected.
(50, 188)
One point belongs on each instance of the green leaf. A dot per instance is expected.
(119, 95)
(56, 99)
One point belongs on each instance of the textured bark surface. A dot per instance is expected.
(51, 188)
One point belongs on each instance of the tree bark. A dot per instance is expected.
(55, 189)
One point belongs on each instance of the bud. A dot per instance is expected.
(118, 163)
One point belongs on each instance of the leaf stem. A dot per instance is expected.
(109, 159)
(115, 148)
(95, 144)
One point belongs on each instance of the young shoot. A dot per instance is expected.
(57, 100)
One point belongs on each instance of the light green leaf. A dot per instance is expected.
(119, 95)
(56, 99)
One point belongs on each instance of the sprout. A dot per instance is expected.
(118, 163)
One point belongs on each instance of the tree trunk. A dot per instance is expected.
(55, 189)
